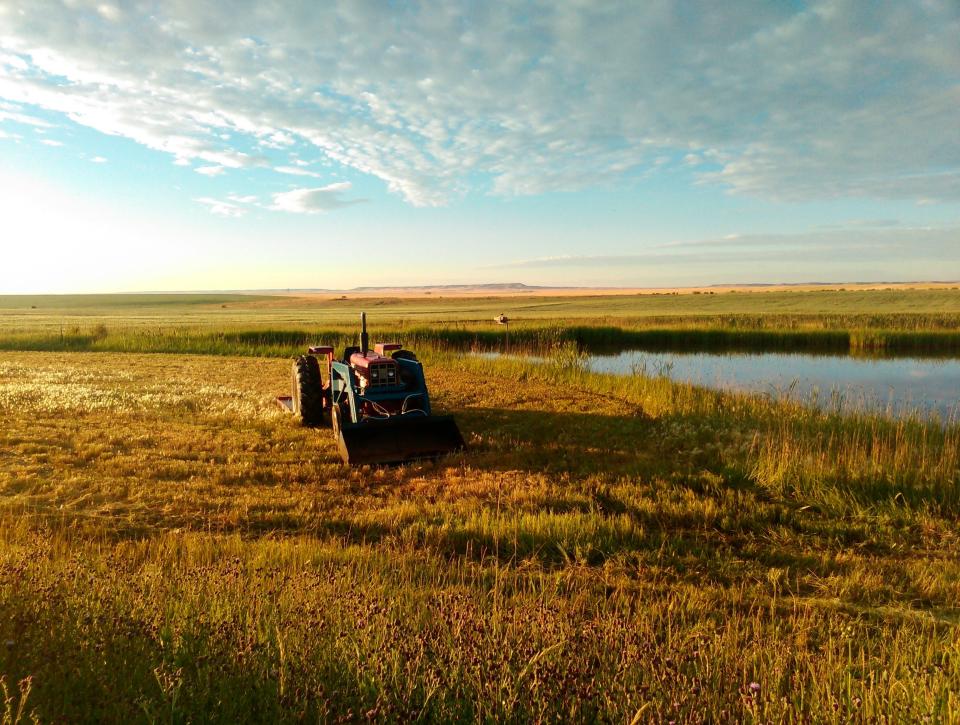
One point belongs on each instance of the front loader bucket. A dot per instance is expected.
(399, 439)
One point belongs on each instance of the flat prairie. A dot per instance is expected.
(175, 547)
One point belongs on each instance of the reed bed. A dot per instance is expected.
(527, 337)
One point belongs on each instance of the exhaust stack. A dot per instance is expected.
(364, 338)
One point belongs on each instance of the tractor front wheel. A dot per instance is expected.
(307, 390)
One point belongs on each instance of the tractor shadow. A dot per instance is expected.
(572, 443)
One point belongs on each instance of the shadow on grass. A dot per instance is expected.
(111, 664)
(614, 488)
(576, 443)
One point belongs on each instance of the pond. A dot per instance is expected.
(929, 387)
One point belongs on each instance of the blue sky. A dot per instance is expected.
(185, 145)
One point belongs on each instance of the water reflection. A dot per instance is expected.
(928, 386)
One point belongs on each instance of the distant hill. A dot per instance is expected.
(494, 287)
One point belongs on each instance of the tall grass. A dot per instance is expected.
(536, 339)
(813, 457)
(290, 630)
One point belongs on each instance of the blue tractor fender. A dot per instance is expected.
(417, 384)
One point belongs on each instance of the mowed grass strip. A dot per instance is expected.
(176, 547)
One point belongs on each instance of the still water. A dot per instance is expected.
(930, 387)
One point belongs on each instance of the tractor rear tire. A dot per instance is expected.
(307, 390)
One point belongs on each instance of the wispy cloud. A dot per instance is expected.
(12, 114)
(243, 199)
(314, 201)
(297, 171)
(821, 252)
(210, 170)
(825, 99)
(221, 207)
(824, 247)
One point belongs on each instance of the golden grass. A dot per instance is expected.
(175, 547)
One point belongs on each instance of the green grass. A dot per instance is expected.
(872, 308)
(862, 322)
(539, 339)
(173, 547)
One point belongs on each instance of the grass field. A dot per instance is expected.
(921, 321)
(173, 547)
(927, 306)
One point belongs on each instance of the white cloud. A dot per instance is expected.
(248, 199)
(210, 170)
(51, 142)
(314, 201)
(221, 207)
(98, 160)
(296, 171)
(836, 98)
(13, 61)
(9, 112)
(110, 12)
(278, 140)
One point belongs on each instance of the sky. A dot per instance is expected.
(185, 145)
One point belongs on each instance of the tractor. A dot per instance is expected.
(376, 401)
